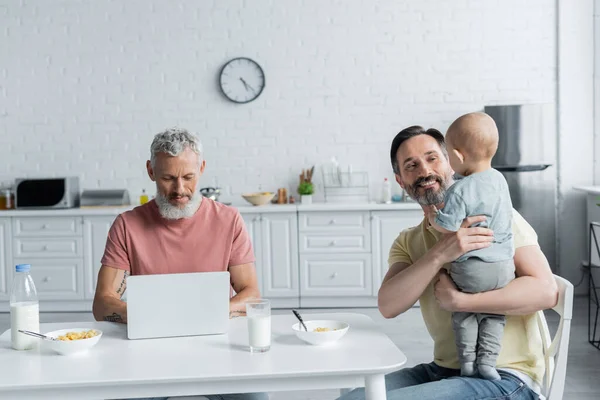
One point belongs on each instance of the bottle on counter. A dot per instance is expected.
(143, 197)
(7, 199)
(386, 192)
(24, 309)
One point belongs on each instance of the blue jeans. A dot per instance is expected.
(432, 382)
(238, 396)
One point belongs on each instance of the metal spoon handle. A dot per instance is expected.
(299, 319)
(35, 334)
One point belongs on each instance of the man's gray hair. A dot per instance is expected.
(174, 141)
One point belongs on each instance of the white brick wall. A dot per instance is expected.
(84, 85)
(576, 142)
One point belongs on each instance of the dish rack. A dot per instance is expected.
(345, 187)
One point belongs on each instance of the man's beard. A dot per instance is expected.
(429, 197)
(169, 211)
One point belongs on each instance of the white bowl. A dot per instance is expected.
(70, 347)
(259, 198)
(337, 330)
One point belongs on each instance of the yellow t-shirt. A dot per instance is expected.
(521, 343)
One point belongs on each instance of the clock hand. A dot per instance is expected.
(244, 82)
(246, 85)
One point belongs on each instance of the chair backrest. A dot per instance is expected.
(556, 350)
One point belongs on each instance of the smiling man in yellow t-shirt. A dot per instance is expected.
(418, 262)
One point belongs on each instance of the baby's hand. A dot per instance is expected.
(430, 213)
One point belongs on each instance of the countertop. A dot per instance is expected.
(588, 189)
(242, 208)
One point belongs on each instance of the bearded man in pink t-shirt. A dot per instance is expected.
(179, 231)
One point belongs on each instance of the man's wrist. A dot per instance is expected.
(461, 301)
(437, 260)
(237, 313)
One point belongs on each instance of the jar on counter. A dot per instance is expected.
(7, 199)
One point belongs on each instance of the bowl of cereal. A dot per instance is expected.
(73, 341)
(320, 332)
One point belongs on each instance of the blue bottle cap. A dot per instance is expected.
(23, 267)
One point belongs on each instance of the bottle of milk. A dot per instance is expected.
(24, 309)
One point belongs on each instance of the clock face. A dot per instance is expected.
(242, 80)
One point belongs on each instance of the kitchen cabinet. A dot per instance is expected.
(95, 233)
(5, 257)
(335, 275)
(335, 259)
(56, 278)
(385, 228)
(306, 256)
(275, 241)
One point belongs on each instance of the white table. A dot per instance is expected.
(122, 368)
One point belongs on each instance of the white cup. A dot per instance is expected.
(258, 314)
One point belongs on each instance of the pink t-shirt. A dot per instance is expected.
(142, 242)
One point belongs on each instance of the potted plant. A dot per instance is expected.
(306, 187)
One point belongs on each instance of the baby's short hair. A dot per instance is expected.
(475, 135)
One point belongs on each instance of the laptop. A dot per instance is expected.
(170, 305)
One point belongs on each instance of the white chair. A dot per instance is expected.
(556, 350)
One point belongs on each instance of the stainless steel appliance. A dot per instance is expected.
(39, 193)
(105, 197)
(526, 156)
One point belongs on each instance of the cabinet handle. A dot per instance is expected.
(46, 248)
(332, 222)
(334, 275)
(332, 243)
(47, 279)
(45, 226)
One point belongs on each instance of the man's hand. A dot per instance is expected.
(453, 245)
(446, 293)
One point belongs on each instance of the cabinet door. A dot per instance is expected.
(385, 228)
(95, 233)
(335, 275)
(252, 222)
(5, 257)
(56, 278)
(279, 255)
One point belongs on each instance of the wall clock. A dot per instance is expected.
(242, 80)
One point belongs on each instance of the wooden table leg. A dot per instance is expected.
(375, 387)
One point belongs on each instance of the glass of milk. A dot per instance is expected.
(258, 314)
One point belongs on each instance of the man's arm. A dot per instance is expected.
(403, 284)
(245, 284)
(534, 289)
(111, 286)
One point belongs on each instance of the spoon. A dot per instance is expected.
(38, 335)
(300, 319)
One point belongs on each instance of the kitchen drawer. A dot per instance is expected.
(335, 275)
(48, 247)
(47, 226)
(335, 243)
(334, 221)
(56, 279)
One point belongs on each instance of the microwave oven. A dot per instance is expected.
(40, 193)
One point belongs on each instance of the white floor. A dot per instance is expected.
(410, 334)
